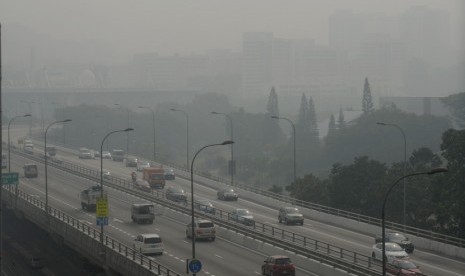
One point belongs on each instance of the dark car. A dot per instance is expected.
(227, 194)
(242, 216)
(169, 174)
(176, 194)
(290, 215)
(131, 162)
(402, 268)
(398, 238)
(278, 265)
(204, 205)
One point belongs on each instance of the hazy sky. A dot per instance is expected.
(192, 26)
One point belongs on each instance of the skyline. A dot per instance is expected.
(186, 28)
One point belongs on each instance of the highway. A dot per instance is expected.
(220, 257)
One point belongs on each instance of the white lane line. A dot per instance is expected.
(118, 220)
(218, 256)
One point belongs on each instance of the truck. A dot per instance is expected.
(154, 176)
(30, 170)
(89, 198)
(118, 155)
(51, 151)
(142, 212)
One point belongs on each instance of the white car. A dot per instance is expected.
(148, 244)
(393, 251)
(106, 155)
(142, 164)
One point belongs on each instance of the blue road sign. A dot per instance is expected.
(102, 221)
(195, 266)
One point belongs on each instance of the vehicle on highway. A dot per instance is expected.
(243, 216)
(227, 194)
(290, 215)
(51, 151)
(89, 197)
(56, 159)
(36, 262)
(148, 244)
(403, 268)
(155, 177)
(131, 162)
(141, 165)
(30, 170)
(118, 155)
(175, 194)
(204, 205)
(85, 153)
(96, 153)
(106, 174)
(398, 238)
(393, 251)
(203, 229)
(106, 155)
(28, 149)
(142, 185)
(142, 212)
(278, 265)
(169, 174)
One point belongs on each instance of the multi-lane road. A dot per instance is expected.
(220, 257)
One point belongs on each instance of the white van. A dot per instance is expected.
(148, 244)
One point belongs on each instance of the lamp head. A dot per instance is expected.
(381, 123)
(27, 115)
(227, 142)
(438, 170)
(129, 129)
(214, 112)
(67, 120)
(275, 117)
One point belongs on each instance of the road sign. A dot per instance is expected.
(195, 266)
(10, 178)
(102, 221)
(102, 207)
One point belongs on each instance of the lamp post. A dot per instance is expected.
(101, 173)
(404, 202)
(127, 134)
(228, 142)
(45, 157)
(232, 166)
(293, 134)
(9, 123)
(153, 122)
(30, 112)
(383, 227)
(187, 135)
(64, 128)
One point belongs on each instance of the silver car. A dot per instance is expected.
(203, 229)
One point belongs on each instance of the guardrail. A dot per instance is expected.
(110, 244)
(348, 260)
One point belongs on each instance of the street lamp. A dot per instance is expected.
(30, 112)
(127, 134)
(383, 227)
(101, 173)
(232, 166)
(228, 142)
(45, 157)
(187, 135)
(9, 123)
(404, 202)
(293, 134)
(64, 128)
(153, 121)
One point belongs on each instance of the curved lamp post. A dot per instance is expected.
(29, 104)
(293, 132)
(9, 123)
(404, 202)
(228, 142)
(153, 121)
(383, 227)
(233, 164)
(46, 159)
(101, 173)
(127, 136)
(187, 134)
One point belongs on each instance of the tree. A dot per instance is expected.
(309, 188)
(272, 105)
(312, 121)
(367, 101)
(456, 104)
(424, 157)
(303, 125)
(332, 126)
(341, 123)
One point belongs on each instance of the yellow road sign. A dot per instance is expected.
(102, 207)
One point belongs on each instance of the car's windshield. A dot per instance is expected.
(156, 176)
(283, 261)
(292, 210)
(152, 240)
(243, 212)
(393, 247)
(407, 265)
(206, 225)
